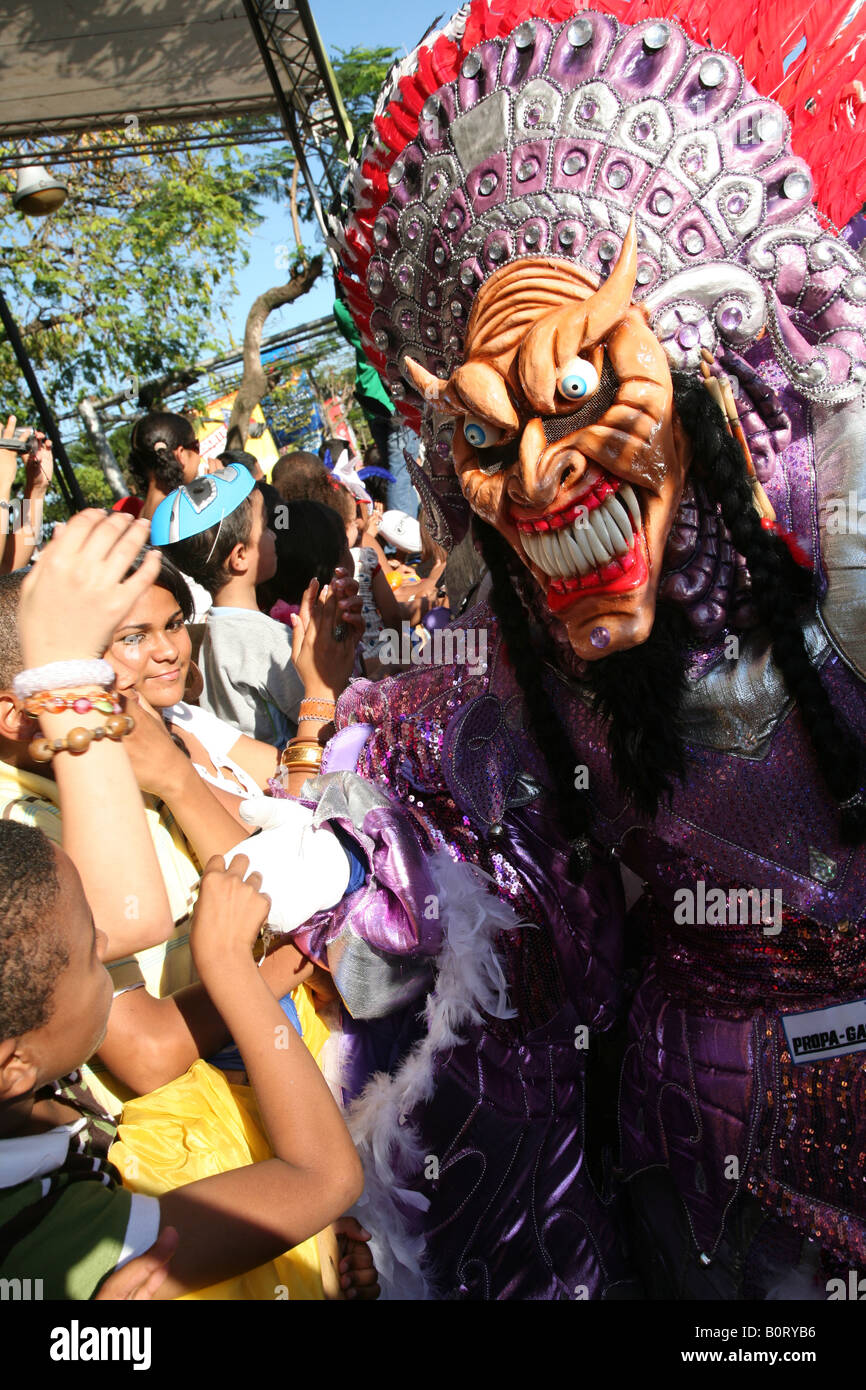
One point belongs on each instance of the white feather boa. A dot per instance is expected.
(469, 978)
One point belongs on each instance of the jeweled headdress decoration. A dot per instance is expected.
(539, 128)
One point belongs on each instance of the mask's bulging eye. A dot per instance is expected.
(577, 379)
(480, 434)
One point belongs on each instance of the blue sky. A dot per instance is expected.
(342, 24)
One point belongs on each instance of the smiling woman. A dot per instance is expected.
(152, 655)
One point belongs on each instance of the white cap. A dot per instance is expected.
(401, 530)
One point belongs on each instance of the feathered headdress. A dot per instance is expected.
(539, 128)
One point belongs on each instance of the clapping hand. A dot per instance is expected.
(324, 655)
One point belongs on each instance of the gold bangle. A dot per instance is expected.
(302, 757)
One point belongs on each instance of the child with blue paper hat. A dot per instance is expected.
(215, 529)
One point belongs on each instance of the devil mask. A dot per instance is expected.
(566, 441)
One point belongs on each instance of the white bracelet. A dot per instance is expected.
(62, 675)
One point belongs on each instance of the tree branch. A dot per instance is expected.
(254, 382)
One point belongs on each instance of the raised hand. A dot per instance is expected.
(77, 595)
(39, 467)
(322, 658)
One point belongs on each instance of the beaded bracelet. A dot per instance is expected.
(51, 702)
(42, 750)
(315, 719)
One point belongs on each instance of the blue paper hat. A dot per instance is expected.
(199, 505)
(372, 470)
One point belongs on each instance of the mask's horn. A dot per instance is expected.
(607, 306)
(433, 389)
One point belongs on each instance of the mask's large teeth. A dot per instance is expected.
(533, 547)
(551, 556)
(599, 548)
(619, 525)
(565, 553)
(527, 540)
(574, 552)
(626, 494)
(577, 535)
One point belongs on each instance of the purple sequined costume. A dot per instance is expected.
(544, 141)
(709, 1088)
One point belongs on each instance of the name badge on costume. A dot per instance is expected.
(825, 1033)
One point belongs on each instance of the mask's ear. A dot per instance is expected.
(16, 725)
(18, 1072)
(437, 392)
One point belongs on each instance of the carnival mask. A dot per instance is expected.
(566, 440)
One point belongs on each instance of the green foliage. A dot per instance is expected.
(124, 279)
(360, 74)
(129, 279)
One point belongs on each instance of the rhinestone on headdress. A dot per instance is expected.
(712, 72)
(692, 241)
(618, 175)
(580, 33)
(796, 185)
(574, 163)
(524, 35)
(656, 37)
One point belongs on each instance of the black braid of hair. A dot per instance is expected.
(641, 693)
(544, 722)
(779, 588)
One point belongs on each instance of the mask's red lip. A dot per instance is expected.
(603, 487)
(620, 577)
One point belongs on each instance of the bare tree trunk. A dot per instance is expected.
(293, 208)
(104, 452)
(254, 381)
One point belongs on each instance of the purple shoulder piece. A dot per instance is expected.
(344, 749)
